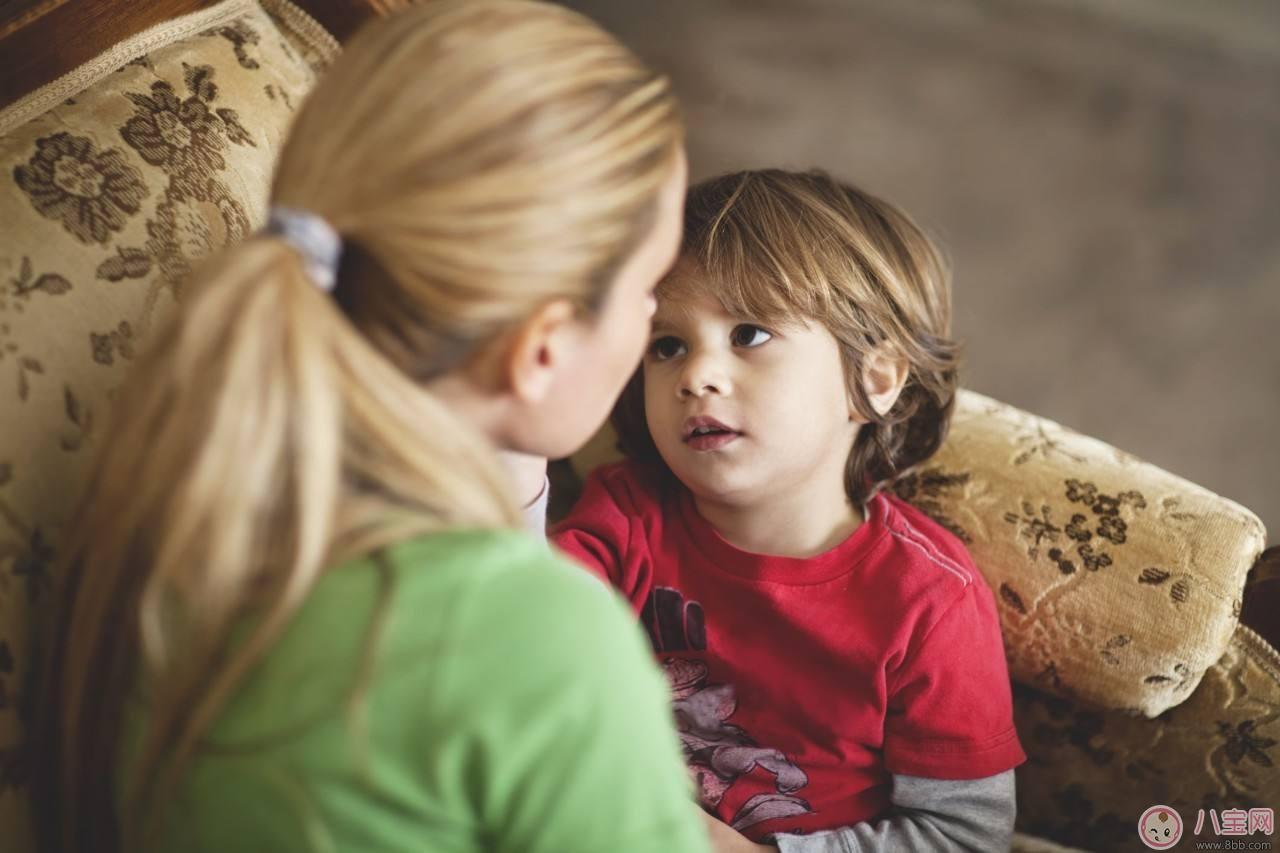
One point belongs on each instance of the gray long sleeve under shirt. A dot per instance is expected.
(940, 815)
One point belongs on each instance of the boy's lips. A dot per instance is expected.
(702, 424)
(707, 433)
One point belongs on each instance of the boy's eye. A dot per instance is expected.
(748, 335)
(666, 347)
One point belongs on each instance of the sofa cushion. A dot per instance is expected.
(1117, 583)
(117, 179)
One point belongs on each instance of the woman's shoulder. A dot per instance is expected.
(482, 562)
(486, 621)
(441, 614)
(469, 555)
(485, 590)
(505, 591)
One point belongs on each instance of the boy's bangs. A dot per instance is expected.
(746, 289)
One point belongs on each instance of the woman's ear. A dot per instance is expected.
(537, 349)
(884, 374)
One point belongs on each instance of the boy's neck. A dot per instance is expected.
(798, 525)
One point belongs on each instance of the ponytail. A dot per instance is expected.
(273, 430)
(259, 440)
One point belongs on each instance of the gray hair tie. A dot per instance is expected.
(311, 237)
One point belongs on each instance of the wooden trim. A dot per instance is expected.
(61, 35)
(16, 14)
(41, 40)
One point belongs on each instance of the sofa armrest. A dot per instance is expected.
(85, 280)
(1090, 774)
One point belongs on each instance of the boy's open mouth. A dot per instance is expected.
(707, 433)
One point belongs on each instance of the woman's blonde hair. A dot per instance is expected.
(774, 247)
(478, 158)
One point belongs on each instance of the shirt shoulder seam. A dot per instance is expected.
(905, 532)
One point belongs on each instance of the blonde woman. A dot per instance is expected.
(297, 615)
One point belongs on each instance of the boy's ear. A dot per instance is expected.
(536, 349)
(884, 374)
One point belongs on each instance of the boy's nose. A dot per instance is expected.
(702, 375)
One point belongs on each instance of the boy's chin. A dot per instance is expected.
(722, 487)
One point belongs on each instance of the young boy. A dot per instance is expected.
(838, 673)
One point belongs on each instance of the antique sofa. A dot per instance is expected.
(1139, 610)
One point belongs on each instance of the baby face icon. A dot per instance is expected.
(1160, 827)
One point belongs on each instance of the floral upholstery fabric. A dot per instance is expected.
(1090, 774)
(114, 181)
(1118, 584)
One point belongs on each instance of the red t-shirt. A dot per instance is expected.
(801, 684)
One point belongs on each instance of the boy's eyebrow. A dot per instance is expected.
(668, 318)
(661, 324)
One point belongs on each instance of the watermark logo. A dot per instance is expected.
(1237, 822)
(1160, 827)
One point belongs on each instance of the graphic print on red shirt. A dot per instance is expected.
(716, 751)
(801, 685)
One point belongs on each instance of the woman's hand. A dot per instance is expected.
(726, 839)
(528, 475)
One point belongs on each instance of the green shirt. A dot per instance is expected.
(513, 705)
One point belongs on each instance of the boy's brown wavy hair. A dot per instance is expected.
(774, 246)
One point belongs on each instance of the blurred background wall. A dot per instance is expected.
(1105, 175)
